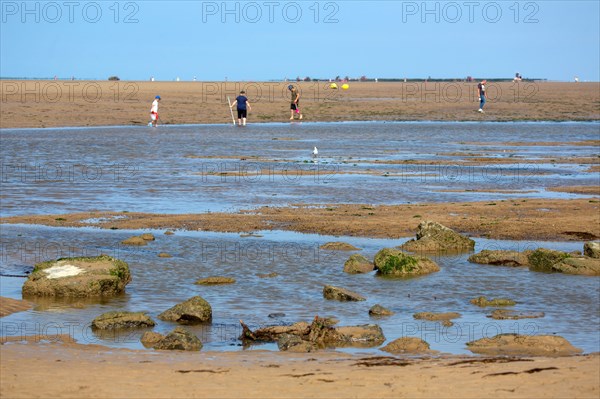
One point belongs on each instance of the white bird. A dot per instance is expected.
(315, 153)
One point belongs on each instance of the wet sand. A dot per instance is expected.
(10, 306)
(96, 372)
(519, 219)
(99, 103)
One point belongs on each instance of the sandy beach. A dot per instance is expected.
(62, 368)
(95, 372)
(93, 103)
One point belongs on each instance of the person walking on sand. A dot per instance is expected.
(243, 106)
(481, 93)
(154, 112)
(295, 105)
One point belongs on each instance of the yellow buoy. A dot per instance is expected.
(333, 86)
(345, 86)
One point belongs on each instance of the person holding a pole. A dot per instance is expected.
(243, 106)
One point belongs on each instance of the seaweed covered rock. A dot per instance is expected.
(78, 277)
(435, 237)
(358, 264)
(523, 345)
(393, 262)
(114, 320)
(501, 258)
(194, 310)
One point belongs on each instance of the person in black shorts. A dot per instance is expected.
(295, 104)
(243, 106)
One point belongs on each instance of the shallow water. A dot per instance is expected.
(570, 303)
(179, 169)
(175, 169)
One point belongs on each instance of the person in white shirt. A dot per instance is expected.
(154, 112)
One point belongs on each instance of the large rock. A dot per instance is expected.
(179, 339)
(410, 345)
(501, 258)
(592, 249)
(113, 320)
(393, 262)
(358, 264)
(304, 337)
(194, 310)
(434, 237)
(78, 277)
(340, 294)
(523, 345)
(551, 261)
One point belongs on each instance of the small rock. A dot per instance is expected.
(113, 320)
(378, 310)
(410, 345)
(523, 345)
(179, 339)
(358, 264)
(147, 237)
(268, 275)
(339, 246)
(507, 314)
(151, 338)
(501, 258)
(341, 294)
(194, 310)
(294, 343)
(483, 302)
(215, 280)
(592, 249)
(164, 255)
(169, 233)
(436, 316)
(134, 241)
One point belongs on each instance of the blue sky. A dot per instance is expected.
(263, 40)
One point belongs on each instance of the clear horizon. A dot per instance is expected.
(274, 40)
